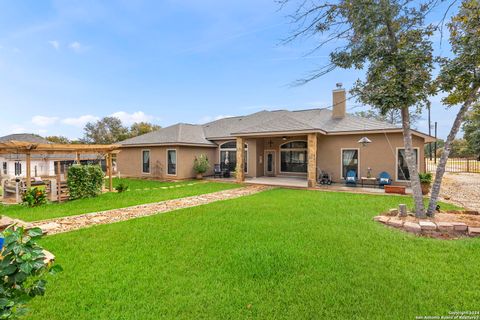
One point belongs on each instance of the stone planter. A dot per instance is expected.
(425, 188)
(199, 176)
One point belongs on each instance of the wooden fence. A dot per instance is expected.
(454, 165)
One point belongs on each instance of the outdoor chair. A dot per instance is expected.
(384, 179)
(351, 178)
(217, 171)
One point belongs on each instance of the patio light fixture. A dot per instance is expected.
(364, 141)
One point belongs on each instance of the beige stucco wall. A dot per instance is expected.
(129, 161)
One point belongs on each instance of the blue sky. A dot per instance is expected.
(63, 63)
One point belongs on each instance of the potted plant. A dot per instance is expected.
(426, 182)
(201, 165)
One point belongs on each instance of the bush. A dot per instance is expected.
(121, 187)
(22, 270)
(84, 181)
(425, 177)
(200, 164)
(34, 197)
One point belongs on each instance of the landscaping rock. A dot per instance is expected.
(5, 222)
(49, 257)
(445, 226)
(397, 223)
(473, 231)
(459, 226)
(412, 227)
(382, 219)
(393, 212)
(427, 225)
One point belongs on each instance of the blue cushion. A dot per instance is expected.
(351, 179)
(384, 180)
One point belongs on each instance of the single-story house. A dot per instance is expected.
(42, 165)
(275, 143)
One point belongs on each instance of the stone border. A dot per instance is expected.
(425, 227)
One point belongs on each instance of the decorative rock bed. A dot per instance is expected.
(445, 225)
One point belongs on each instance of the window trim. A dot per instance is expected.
(341, 162)
(396, 162)
(176, 162)
(149, 161)
(231, 149)
(292, 149)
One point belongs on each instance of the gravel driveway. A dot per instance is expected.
(462, 189)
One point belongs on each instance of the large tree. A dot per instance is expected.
(387, 39)
(105, 131)
(460, 77)
(471, 130)
(139, 128)
(58, 139)
(393, 116)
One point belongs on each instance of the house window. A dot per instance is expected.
(228, 156)
(349, 161)
(4, 168)
(146, 161)
(293, 157)
(18, 168)
(402, 167)
(172, 162)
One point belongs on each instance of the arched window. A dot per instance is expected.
(293, 157)
(228, 156)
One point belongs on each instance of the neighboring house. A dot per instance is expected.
(44, 165)
(276, 143)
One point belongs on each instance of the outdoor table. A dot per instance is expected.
(372, 181)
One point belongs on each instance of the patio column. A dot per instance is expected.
(240, 160)
(312, 160)
(29, 169)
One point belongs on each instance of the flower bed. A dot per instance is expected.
(446, 225)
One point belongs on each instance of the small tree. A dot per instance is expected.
(84, 181)
(22, 270)
(201, 164)
(471, 129)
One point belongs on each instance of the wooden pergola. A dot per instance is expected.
(28, 148)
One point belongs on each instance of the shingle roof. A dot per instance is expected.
(24, 137)
(260, 122)
(181, 133)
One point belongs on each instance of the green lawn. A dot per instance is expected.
(280, 254)
(140, 192)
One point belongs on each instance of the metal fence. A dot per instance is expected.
(454, 165)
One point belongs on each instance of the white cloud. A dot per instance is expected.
(55, 44)
(80, 121)
(43, 121)
(16, 128)
(130, 118)
(77, 47)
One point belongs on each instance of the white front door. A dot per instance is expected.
(269, 163)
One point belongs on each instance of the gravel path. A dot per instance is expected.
(65, 224)
(462, 189)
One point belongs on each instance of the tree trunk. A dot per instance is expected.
(412, 164)
(446, 152)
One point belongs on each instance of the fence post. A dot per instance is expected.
(468, 165)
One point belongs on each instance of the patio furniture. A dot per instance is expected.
(217, 171)
(325, 178)
(395, 189)
(384, 179)
(368, 181)
(351, 178)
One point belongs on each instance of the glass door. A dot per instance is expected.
(270, 163)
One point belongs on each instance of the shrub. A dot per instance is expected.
(34, 197)
(121, 187)
(200, 164)
(425, 177)
(84, 181)
(22, 270)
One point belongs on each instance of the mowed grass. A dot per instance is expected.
(280, 254)
(140, 192)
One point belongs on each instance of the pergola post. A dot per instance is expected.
(110, 172)
(77, 158)
(29, 170)
(240, 171)
(312, 160)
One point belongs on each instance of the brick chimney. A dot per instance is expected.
(339, 102)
